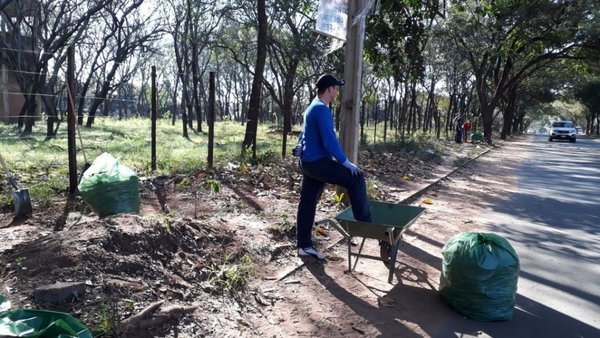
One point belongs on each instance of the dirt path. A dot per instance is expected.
(323, 300)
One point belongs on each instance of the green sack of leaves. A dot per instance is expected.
(4, 304)
(478, 136)
(109, 187)
(479, 275)
(39, 323)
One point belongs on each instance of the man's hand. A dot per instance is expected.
(352, 167)
(297, 151)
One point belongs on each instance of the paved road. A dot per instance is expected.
(553, 222)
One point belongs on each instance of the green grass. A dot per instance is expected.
(233, 276)
(108, 315)
(41, 164)
(130, 141)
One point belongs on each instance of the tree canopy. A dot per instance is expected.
(493, 61)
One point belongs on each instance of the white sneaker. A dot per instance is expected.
(310, 251)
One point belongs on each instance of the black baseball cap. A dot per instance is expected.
(328, 80)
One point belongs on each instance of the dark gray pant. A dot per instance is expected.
(315, 175)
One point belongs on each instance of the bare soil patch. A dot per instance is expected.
(171, 258)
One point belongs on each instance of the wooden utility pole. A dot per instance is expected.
(351, 96)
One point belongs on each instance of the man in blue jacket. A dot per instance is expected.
(323, 161)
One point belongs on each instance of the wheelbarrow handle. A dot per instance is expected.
(335, 225)
(11, 180)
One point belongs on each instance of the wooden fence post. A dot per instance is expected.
(71, 120)
(153, 132)
(211, 118)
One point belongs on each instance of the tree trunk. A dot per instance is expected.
(184, 117)
(362, 121)
(196, 93)
(386, 107)
(412, 108)
(52, 115)
(288, 101)
(30, 113)
(174, 109)
(261, 55)
(438, 122)
(337, 112)
(487, 119)
(430, 107)
(509, 113)
(375, 120)
(404, 112)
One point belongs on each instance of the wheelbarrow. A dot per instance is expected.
(389, 222)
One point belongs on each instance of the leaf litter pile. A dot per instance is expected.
(183, 265)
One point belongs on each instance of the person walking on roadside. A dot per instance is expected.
(458, 128)
(322, 161)
(467, 130)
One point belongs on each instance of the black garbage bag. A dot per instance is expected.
(109, 187)
(479, 275)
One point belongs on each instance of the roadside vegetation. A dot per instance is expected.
(41, 164)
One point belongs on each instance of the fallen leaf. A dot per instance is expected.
(294, 281)
(321, 231)
(358, 330)
(406, 178)
(260, 300)
(243, 322)
(335, 258)
(427, 201)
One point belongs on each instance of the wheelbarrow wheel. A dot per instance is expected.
(385, 251)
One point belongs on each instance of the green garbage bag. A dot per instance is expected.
(4, 304)
(477, 137)
(109, 187)
(479, 275)
(42, 324)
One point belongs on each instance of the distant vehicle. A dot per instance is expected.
(563, 130)
(579, 130)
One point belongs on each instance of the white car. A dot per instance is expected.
(563, 130)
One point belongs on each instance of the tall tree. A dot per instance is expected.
(255, 94)
(287, 51)
(589, 94)
(394, 43)
(133, 37)
(46, 26)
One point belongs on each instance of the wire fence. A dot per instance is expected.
(132, 138)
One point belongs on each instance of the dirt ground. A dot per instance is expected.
(171, 260)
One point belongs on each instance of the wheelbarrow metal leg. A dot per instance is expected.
(395, 239)
(358, 255)
(349, 239)
(392, 264)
